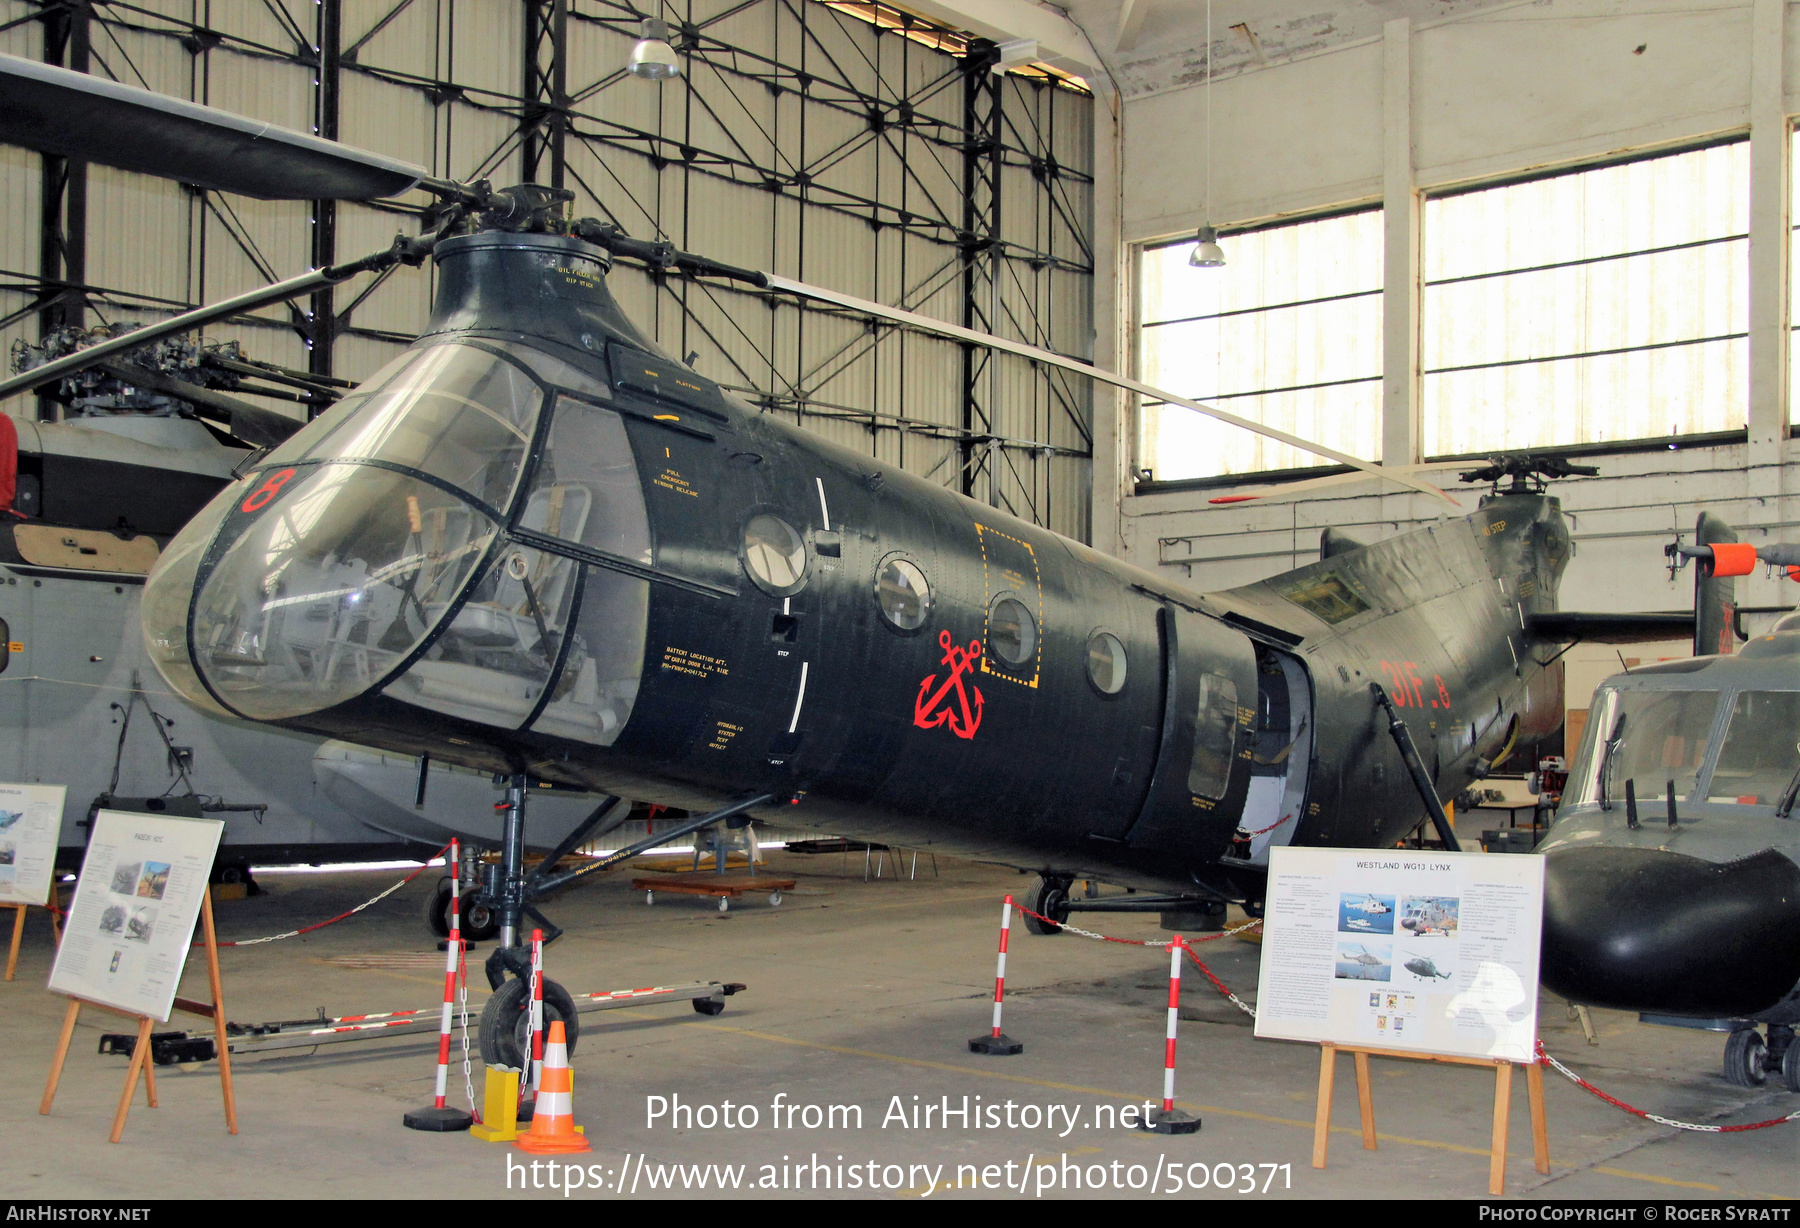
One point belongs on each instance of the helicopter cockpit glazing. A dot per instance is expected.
(1735, 748)
(375, 550)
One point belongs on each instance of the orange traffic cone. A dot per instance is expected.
(553, 1120)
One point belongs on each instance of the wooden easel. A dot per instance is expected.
(50, 905)
(140, 1052)
(1503, 1069)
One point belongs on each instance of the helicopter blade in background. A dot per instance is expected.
(1281, 490)
(254, 425)
(928, 325)
(57, 111)
(279, 292)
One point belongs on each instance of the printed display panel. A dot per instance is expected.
(1403, 949)
(134, 911)
(30, 820)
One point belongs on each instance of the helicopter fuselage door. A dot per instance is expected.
(1280, 755)
(1201, 776)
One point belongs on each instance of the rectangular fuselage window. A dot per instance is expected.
(1597, 305)
(1286, 333)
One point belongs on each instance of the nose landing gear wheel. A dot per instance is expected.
(1746, 1059)
(505, 1029)
(479, 922)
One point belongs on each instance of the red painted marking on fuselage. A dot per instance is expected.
(963, 719)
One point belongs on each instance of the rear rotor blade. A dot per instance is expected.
(926, 324)
(76, 115)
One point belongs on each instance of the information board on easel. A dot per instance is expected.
(142, 888)
(30, 820)
(1409, 954)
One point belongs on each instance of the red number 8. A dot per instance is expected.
(264, 494)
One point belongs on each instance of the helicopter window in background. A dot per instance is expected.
(593, 696)
(332, 585)
(458, 413)
(1012, 632)
(774, 555)
(1664, 738)
(1106, 662)
(1215, 736)
(586, 486)
(903, 594)
(493, 659)
(1761, 752)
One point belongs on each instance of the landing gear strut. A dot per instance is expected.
(508, 895)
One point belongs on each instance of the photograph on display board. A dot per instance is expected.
(1363, 913)
(155, 880)
(1359, 961)
(125, 878)
(1429, 916)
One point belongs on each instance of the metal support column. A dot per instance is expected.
(322, 308)
(543, 110)
(62, 236)
(983, 155)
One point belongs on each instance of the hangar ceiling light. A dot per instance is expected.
(1207, 253)
(651, 57)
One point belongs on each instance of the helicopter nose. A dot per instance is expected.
(1650, 930)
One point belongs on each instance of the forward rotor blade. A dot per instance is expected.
(280, 292)
(76, 115)
(956, 333)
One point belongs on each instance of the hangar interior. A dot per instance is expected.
(1450, 229)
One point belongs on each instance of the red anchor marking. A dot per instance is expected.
(962, 719)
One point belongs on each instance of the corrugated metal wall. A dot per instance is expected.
(802, 140)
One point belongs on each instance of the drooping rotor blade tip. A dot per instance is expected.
(1081, 367)
(54, 110)
(1233, 498)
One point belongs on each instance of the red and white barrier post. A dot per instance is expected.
(997, 1043)
(1169, 1119)
(440, 1117)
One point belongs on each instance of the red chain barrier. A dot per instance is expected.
(1543, 1056)
(251, 942)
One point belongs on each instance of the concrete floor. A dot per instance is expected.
(858, 993)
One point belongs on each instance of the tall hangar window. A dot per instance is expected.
(1287, 333)
(1589, 306)
(1794, 286)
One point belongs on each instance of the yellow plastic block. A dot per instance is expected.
(499, 1107)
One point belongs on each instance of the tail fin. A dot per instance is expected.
(1715, 596)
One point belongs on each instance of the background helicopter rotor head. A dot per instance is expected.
(57, 111)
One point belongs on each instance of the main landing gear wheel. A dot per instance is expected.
(479, 922)
(506, 1022)
(1790, 1067)
(1746, 1059)
(1051, 899)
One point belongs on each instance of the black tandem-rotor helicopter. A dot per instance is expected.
(536, 545)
